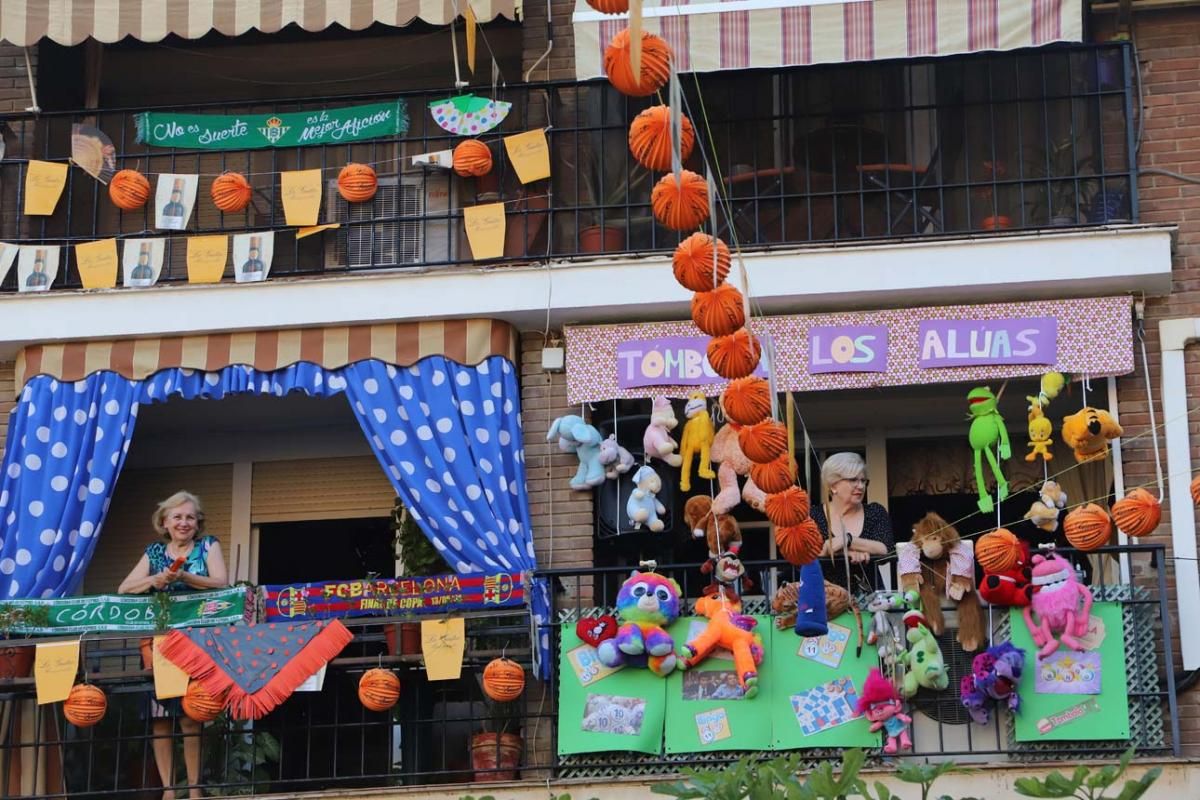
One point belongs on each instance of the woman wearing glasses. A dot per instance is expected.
(855, 532)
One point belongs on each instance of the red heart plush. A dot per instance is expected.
(595, 630)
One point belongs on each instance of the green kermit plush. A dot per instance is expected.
(987, 428)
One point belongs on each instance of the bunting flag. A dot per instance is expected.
(37, 267)
(141, 261)
(173, 200)
(252, 254)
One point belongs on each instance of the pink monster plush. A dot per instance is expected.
(881, 704)
(1057, 596)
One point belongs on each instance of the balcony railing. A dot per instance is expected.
(326, 740)
(848, 153)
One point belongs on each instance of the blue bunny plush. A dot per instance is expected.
(576, 436)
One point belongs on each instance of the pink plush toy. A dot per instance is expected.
(657, 441)
(881, 704)
(727, 452)
(1057, 596)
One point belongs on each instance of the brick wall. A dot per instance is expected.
(560, 64)
(14, 85)
(1168, 44)
(7, 401)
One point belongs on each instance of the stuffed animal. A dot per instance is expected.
(647, 604)
(884, 634)
(1062, 604)
(721, 531)
(1044, 511)
(728, 453)
(728, 628)
(1048, 388)
(1040, 429)
(594, 630)
(987, 428)
(726, 570)
(643, 506)
(995, 675)
(881, 704)
(615, 459)
(923, 662)
(1088, 432)
(1011, 587)
(578, 437)
(787, 602)
(698, 435)
(941, 565)
(657, 441)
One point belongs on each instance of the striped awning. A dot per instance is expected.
(739, 34)
(464, 341)
(69, 22)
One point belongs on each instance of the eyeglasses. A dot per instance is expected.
(863, 481)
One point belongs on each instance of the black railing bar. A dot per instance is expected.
(1129, 65)
(1168, 659)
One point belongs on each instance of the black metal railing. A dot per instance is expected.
(843, 153)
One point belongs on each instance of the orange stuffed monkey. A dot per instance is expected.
(729, 628)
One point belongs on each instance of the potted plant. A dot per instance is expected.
(496, 751)
(17, 662)
(419, 557)
(608, 177)
(1065, 193)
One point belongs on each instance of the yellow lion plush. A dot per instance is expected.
(1088, 432)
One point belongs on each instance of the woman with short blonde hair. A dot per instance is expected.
(855, 531)
(174, 501)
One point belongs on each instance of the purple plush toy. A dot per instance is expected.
(646, 605)
(995, 674)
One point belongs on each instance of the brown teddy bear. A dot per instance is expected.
(724, 539)
(939, 564)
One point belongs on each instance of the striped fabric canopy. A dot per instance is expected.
(69, 22)
(467, 342)
(739, 34)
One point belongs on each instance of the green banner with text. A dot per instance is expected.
(254, 131)
(127, 612)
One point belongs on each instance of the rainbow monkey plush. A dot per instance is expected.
(646, 605)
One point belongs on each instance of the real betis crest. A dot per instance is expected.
(273, 130)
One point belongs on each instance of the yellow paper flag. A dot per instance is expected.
(54, 669)
(529, 155)
(301, 196)
(44, 181)
(442, 644)
(485, 230)
(311, 229)
(206, 258)
(471, 23)
(169, 680)
(97, 263)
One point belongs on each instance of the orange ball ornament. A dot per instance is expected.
(85, 705)
(1196, 490)
(747, 401)
(998, 551)
(734, 356)
(693, 262)
(472, 158)
(1088, 527)
(1138, 513)
(503, 680)
(764, 442)
(199, 705)
(357, 183)
(650, 138)
(680, 205)
(656, 64)
(719, 312)
(799, 544)
(788, 508)
(231, 192)
(129, 190)
(775, 476)
(609, 6)
(378, 689)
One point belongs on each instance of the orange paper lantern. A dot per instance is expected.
(1088, 527)
(85, 705)
(378, 689)
(1196, 490)
(734, 356)
(789, 507)
(656, 64)
(357, 183)
(799, 544)
(650, 138)
(472, 158)
(680, 205)
(747, 401)
(609, 6)
(129, 189)
(764, 442)
(693, 262)
(231, 192)
(998, 551)
(1138, 514)
(503, 680)
(199, 705)
(775, 476)
(719, 312)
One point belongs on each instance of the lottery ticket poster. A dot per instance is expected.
(807, 680)
(706, 709)
(603, 710)
(1056, 715)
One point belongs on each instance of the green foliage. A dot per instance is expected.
(419, 555)
(1086, 784)
(12, 617)
(234, 754)
(162, 610)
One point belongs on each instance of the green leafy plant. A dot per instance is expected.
(13, 617)
(1086, 784)
(413, 547)
(162, 610)
(238, 756)
(749, 779)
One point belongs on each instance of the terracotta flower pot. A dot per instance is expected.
(16, 662)
(403, 639)
(998, 223)
(146, 646)
(597, 239)
(495, 756)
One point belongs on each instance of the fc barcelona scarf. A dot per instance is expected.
(255, 667)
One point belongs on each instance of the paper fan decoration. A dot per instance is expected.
(468, 115)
